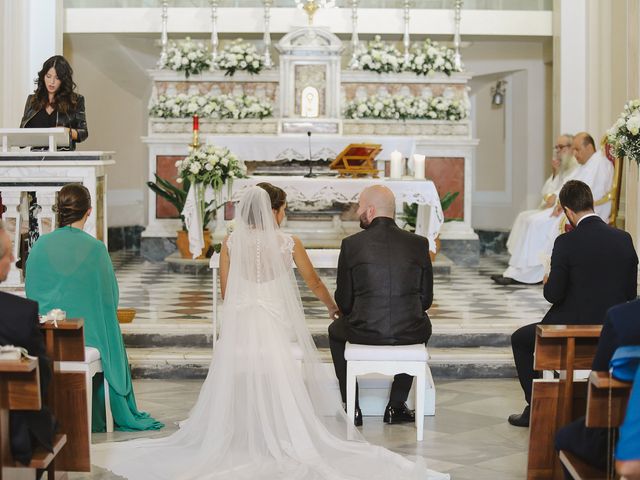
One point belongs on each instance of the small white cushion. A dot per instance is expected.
(91, 354)
(413, 353)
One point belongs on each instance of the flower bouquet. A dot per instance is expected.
(378, 56)
(624, 135)
(211, 106)
(186, 56)
(402, 107)
(239, 55)
(429, 58)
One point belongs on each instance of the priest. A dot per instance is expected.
(531, 240)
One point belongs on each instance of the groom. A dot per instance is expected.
(384, 287)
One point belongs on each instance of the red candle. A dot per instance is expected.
(196, 125)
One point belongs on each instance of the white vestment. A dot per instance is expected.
(534, 231)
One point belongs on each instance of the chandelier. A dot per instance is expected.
(312, 6)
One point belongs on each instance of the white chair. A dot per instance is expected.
(391, 360)
(92, 364)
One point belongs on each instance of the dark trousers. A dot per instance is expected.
(523, 342)
(337, 340)
(589, 444)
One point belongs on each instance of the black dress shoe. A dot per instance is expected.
(398, 414)
(521, 419)
(357, 417)
(502, 280)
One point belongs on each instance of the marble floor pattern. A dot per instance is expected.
(468, 437)
(466, 299)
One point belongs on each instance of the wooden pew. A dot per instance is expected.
(20, 390)
(68, 393)
(606, 406)
(554, 403)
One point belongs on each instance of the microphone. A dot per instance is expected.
(310, 174)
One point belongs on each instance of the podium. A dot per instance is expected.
(52, 138)
(45, 173)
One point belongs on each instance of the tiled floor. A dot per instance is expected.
(468, 437)
(466, 299)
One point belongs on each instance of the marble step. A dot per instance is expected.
(173, 363)
(200, 335)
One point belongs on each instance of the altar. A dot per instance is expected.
(346, 190)
(308, 109)
(45, 173)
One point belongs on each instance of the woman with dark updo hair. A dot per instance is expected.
(71, 270)
(55, 103)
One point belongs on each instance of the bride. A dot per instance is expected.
(261, 413)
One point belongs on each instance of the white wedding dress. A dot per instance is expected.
(260, 414)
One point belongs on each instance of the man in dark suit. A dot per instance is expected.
(19, 326)
(593, 267)
(621, 328)
(384, 287)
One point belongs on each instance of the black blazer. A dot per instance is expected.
(593, 268)
(385, 285)
(19, 326)
(621, 328)
(75, 119)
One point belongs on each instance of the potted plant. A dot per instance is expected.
(177, 196)
(208, 167)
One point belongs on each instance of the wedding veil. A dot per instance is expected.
(269, 407)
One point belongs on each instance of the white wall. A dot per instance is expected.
(523, 162)
(110, 73)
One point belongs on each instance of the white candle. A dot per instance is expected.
(418, 166)
(396, 165)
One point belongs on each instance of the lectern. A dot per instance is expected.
(45, 172)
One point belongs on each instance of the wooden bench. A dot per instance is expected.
(20, 390)
(554, 403)
(606, 406)
(68, 393)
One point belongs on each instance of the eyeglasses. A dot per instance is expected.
(560, 147)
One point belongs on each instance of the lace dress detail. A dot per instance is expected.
(287, 244)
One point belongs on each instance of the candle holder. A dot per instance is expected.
(195, 141)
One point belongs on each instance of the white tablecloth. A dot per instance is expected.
(346, 190)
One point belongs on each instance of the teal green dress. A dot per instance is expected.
(71, 270)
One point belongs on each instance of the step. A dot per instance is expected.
(200, 334)
(173, 363)
(176, 264)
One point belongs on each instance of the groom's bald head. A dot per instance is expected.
(375, 201)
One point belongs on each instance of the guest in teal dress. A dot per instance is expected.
(71, 270)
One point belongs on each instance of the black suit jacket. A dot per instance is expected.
(621, 328)
(385, 285)
(593, 268)
(19, 326)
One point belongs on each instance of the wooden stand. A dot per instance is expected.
(68, 393)
(20, 390)
(563, 348)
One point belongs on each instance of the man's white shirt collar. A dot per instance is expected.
(586, 216)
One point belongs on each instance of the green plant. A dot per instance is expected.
(176, 196)
(410, 210)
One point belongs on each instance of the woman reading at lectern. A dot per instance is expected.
(54, 102)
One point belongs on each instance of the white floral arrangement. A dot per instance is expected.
(429, 58)
(217, 107)
(378, 56)
(624, 135)
(188, 56)
(210, 165)
(401, 107)
(239, 55)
